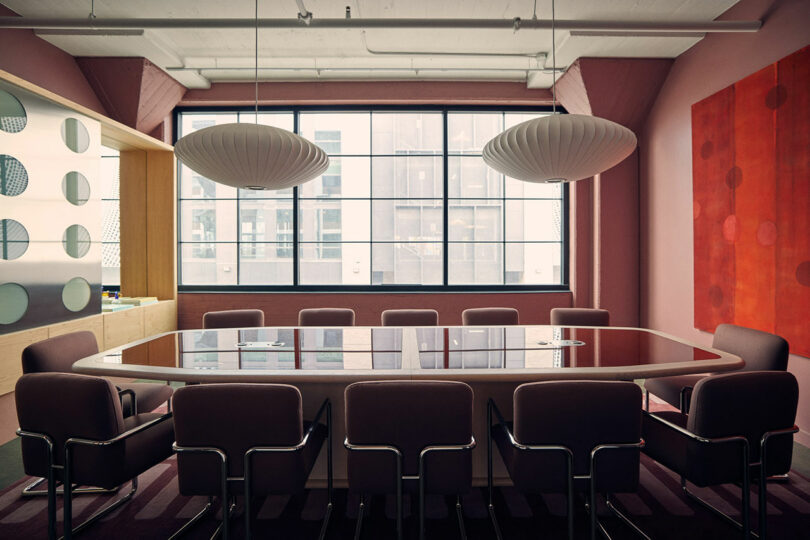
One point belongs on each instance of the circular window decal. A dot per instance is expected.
(76, 241)
(12, 113)
(13, 239)
(76, 294)
(13, 176)
(13, 302)
(76, 188)
(75, 135)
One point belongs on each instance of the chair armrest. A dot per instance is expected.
(325, 406)
(521, 446)
(448, 447)
(120, 437)
(693, 436)
(131, 393)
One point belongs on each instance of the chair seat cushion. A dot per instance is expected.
(149, 396)
(669, 388)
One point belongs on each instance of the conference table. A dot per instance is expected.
(321, 362)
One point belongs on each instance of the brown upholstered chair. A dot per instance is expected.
(591, 445)
(73, 432)
(326, 317)
(58, 354)
(580, 317)
(410, 317)
(247, 439)
(405, 430)
(233, 318)
(761, 351)
(490, 316)
(740, 424)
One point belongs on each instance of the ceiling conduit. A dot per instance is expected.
(306, 21)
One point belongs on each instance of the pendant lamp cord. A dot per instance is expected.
(256, 64)
(553, 64)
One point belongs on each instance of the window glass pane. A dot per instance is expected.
(406, 133)
(470, 177)
(407, 177)
(513, 119)
(406, 220)
(208, 221)
(529, 264)
(475, 264)
(406, 263)
(266, 263)
(468, 132)
(345, 177)
(334, 220)
(531, 220)
(110, 217)
(195, 186)
(338, 133)
(334, 263)
(472, 220)
(516, 189)
(265, 221)
(283, 120)
(208, 264)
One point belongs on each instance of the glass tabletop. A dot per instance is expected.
(390, 348)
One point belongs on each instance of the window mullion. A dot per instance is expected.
(445, 203)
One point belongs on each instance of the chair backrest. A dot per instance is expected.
(748, 404)
(233, 318)
(234, 418)
(409, 415)
(580, 317)
(410, 317)
(58, 354)
(326, 317)
(761, 351)
(64, 405)
(490, 316)
(579, 415)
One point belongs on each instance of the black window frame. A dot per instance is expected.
(564, 286)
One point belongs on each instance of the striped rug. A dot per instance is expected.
(659, 508)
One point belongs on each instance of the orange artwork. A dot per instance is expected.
(751, 189)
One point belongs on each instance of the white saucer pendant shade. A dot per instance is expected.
(252, 156)
(559, 148)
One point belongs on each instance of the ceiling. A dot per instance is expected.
(197, 57)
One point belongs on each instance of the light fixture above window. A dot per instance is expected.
(252, 156)
(559, 147)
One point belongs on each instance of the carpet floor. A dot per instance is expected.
(659, 508)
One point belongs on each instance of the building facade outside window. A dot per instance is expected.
(407, 202)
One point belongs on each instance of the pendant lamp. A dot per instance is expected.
(252, 156)
(559, 147)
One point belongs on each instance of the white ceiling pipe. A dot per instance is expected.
(390, 23)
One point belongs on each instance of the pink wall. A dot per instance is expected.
(37, 61)
(282, 308)
(666, 165)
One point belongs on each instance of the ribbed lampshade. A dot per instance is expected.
(559, 148)
(252, 156)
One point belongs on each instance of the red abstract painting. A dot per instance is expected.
(751, 189)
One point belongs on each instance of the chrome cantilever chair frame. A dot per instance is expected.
(595, 524)
(67, 484)
(400, 477)
(227, 509)
(745, 526)
(31, 491)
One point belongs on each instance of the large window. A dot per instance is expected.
(407, 202)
